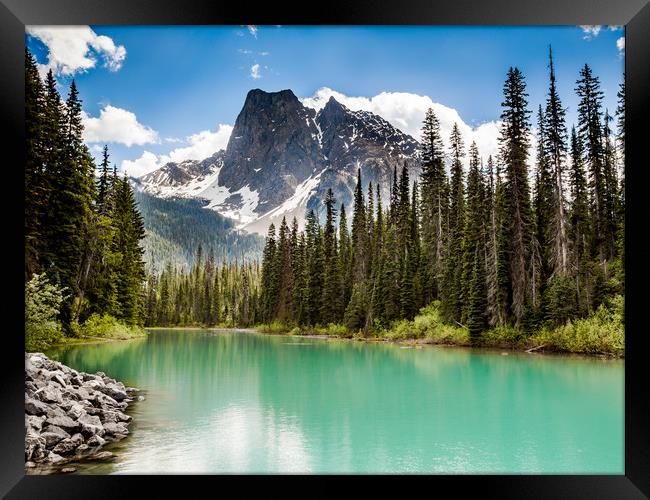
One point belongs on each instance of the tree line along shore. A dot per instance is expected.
(499, 254)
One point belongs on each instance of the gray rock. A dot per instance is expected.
(91, 410)
(30, 465)
(54, 458)
(68, 470)
(105, 400)
(82, 448)
(96, 441)
(34, 423)
(77, 439)
(64, 422)
(114, 416)
(49, 394)
(113, 391)
(52, 435)
(103, 455)
(35, 407)
(93, 384)
(113, 428)
(91, 425)
(34, 446)
(58, 378)
(76, 411)
(84, 394)
(65, 446)
(55, 411)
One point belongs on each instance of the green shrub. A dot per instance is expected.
(107, 326)
(274, 327)
(601, 332)
(336, 330)
(42, 303)
(428, 324)
(449, 334)
(504, 335)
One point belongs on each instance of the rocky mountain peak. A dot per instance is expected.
(282, 157)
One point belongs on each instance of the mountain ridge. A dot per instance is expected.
(282, 157)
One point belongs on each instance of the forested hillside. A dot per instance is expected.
(175, 227)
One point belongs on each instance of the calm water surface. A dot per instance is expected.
(227, 401)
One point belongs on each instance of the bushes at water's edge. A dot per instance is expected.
(600, 333)
(107, 326)
(42, 303)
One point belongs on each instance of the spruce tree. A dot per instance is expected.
(453, 279)
(359, 234)
(284, 268)
(435, 202)
(590, 130)
(269, 276)
(514, 142)
(556, 145)
(331, 306)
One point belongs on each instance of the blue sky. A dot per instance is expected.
(166, 89)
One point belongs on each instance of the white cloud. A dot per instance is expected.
(620, 45)
(73, 49)
(117, 125)
(201, 145)
(255, 71)
(591, 31)
(245, 51)
(253, 29)
(406, 112)
(615, 27)
(148, 162)
(264, 53)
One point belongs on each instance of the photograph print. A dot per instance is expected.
(324, 249)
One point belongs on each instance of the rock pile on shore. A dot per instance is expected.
(70, 415)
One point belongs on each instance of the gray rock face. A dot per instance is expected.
(66, 411)
(273, 147)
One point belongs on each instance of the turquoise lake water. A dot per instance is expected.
(239, 402)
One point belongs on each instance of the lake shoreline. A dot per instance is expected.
(417, 343)
(410, 342)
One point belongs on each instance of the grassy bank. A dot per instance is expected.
(95, 328)
(601, 333)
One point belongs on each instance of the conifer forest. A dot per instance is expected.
(508, 247)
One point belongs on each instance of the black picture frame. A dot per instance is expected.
(634, 14)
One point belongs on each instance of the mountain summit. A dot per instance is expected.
(282, 157)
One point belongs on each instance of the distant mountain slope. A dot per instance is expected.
(175, 227)
(282, 157)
